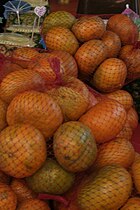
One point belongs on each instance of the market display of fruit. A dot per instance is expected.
(67, 119)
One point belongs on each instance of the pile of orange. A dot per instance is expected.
(66, 124)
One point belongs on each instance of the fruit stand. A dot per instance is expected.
(69, 126)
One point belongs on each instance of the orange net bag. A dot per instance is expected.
(58, 132)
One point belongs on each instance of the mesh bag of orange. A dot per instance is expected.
(60, 138)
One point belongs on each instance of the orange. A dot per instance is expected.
(135, 170)
(109, 189)
(126, 131)
(133, 72)
(131, 56)
(123, 97)
(113, 43)
(57, 18)
(77, 85)
(51, 178)
(90, 55)
(44, 68)
(60, 38)
(137, 155)
(33, 204)
(20, 149)
(68, 65)
(72, 103)
(74, 146)
(87, 28)
(21, 189)
(127, 30)
(37, 109)
(54, 66)
(106, 119)
(19, 81)
(8, 199)
(24, 55)
(118, 151)
(132, 118)
(8, 67)
(132, 204)
(3, 110)
(110, 75)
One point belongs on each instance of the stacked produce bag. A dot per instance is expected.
(67, 124)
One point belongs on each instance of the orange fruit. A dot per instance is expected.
(21, 189)
(70, 82)
(37, 109)
(44, 68)
(8, 67)
(20, 149)
(109, 189)
(137, 155)
(90, 55)
(54, 66)
(3, 111)
(74, 146)
(77, 85)
(132, 204)
(106, 119)
(33, 204)
(19, 81)
(132, 118)
(14, 67)
(135, 171)
(133, 72)
(68, 65)
(8, 199)
(123, 97)
(131, 56)
(24, 55)
(137, 158)
(126, 131)
(126, 27)
(57, 18)
(87, 28)
(51, 178)
(117, 151)
(113, 43)
(72, 103)
(110, 75)
(60, 38)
